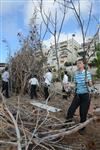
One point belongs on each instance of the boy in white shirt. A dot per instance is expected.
(65, 80)
(66, 86)
(5, 82)
(48, 79)
(34, 83)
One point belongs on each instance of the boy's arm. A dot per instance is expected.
(37, 83)
(90, 83)
(90, 80)
(29, 81)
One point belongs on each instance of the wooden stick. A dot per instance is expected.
(8, 142)
(64, 132)
(14, 121)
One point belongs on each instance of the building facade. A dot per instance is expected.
(67, 52)
(2, 66)
(90, 47)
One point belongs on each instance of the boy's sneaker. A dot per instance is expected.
(82, 131)
(68, 123)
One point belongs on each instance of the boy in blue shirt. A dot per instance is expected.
(81, 99)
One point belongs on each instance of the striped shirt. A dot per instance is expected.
(79, 78)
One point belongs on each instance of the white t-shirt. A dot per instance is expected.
(34, 81)
(65, 79)
(5, 76)
(48, 78)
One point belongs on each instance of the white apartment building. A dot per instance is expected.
(2, 66)
(67, 51)
(90, 47)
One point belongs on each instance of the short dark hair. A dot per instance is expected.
(6, 68)
(65, 72)
(81, 59)
(35, 75)
(49, 69)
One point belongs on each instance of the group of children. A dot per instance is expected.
(81, 99)
(34, 83)
(47, 82)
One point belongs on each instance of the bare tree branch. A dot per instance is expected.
(15, 123)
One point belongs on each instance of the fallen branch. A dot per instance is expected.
(69, 132)
(14, 121)
(8, 142)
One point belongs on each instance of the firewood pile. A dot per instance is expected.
(26, 127)
(24, 64)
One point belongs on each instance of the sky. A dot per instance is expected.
(15, 17)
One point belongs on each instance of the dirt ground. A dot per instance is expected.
(91, 136)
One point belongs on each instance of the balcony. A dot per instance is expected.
(81, 53)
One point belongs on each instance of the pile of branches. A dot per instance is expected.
(26, 127)
(24, 64)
